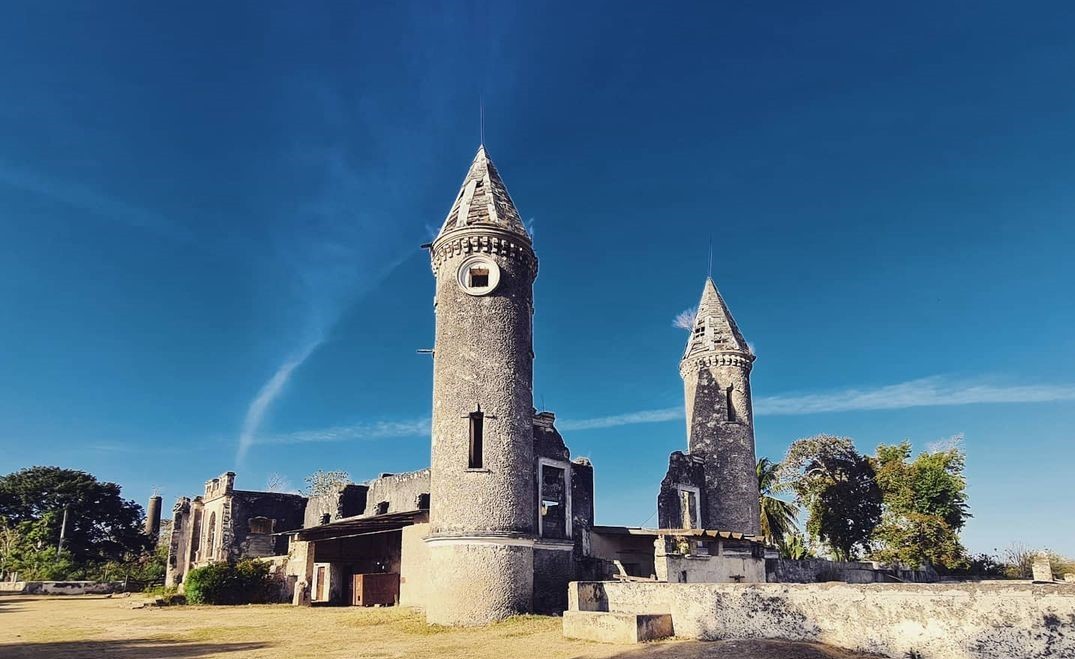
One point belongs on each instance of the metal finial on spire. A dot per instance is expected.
(481, 116)
(709, 272)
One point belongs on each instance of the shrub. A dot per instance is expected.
(245, 582)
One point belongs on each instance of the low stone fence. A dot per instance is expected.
(989, 620)
(814, 570)
(61, 587)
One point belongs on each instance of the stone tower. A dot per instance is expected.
(720, 419)
(482, 490)
(153, 517)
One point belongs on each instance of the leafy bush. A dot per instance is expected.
(245, 582)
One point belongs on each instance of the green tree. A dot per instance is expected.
(795, 547)
(25, 550)
(925, 506)
(777, 515)
(838, 488)
(101, 525)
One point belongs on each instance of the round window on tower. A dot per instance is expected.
(479, 275)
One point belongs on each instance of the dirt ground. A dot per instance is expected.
(97, 627)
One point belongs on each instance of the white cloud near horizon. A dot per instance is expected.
(923, 392)
(933, 391)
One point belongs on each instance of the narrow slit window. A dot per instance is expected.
(729, 403)
(477, 429)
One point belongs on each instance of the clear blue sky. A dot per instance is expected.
(204, 203)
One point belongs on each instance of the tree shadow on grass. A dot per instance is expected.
(137, 648)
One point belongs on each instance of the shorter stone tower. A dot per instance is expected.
(153, 516)
(720, 429)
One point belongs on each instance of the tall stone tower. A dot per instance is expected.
(720, 419)
(482, 491)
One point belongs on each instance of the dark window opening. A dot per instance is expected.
(729, 403)
(688, 507)
(699, 331)
(553, 497)
(477, 431)
(382, 508)
(211, 536)
(479, 277)
(326, 518)
(423, 501)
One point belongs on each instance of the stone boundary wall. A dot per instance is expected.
(988, 620)
(815, 570)
(60, 587)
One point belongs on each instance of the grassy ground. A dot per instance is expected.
(96, 627)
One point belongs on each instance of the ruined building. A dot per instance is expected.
(714, 485)
(226, 524)
(503, 518)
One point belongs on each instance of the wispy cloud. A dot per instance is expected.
(934, 391)
(630, 418)
(325, 243)
(84, 197)
(353, 432)
(685, 319)
(269, 392)
(924, 392)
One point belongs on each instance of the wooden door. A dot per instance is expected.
(320, 590)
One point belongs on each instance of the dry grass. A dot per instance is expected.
(94, 627)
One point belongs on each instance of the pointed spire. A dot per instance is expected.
(714, 328)
(483, 199)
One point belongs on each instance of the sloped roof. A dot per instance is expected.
(355, 526)
(483, 199)
(714, 328)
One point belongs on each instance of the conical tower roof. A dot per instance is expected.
(483, 200)
(714, 328)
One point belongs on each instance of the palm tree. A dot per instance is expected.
(777, 515)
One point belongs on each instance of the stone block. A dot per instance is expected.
(606, 627)
(1042, 570)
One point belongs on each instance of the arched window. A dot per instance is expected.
(210, 536)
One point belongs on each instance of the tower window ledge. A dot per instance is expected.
(480, 470)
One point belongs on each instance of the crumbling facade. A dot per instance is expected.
(720, 429)
(503, 519)
(226, 524)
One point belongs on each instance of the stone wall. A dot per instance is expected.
(252, 513)
(399, 491)
(815, 570)
(989, 620)
(718, 567)
(61, 587)
(414, 566)
(346, 501)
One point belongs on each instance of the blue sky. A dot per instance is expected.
(210, 219)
